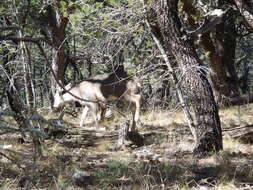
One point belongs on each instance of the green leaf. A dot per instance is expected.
(86, 10)
(112, 2)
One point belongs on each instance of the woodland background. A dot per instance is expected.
(68, 41)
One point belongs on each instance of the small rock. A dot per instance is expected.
(163, 159)
(81, 178)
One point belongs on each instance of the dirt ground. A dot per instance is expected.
(84, 158)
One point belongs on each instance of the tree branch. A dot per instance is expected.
(212, 19)
(4, 28)
(26, 39)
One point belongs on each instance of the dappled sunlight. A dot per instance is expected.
(234, 146)
(163, 117)
(237, 115)
(165, 158)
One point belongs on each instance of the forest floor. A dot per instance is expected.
(84, 158)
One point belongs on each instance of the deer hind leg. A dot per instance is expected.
(135, 102)
(84, 115)
(102, 104)
(94, 111)
(133, 122)
(102, 114)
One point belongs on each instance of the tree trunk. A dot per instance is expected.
(29, 86)
(22, 116)
(27, 80)
(220, 56)
(245, 8)
(58, 24)
(197, 90)
(26, 62)
(225, 42)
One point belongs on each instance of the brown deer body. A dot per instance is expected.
(98, 91)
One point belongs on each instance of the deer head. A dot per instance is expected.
(61, 97)
(58, 101)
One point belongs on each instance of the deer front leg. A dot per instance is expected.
(94, 111)
(135, 108)
(138, 107)
(133, 123)
(84, 115)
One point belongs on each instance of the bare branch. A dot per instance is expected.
(12, 160)
(4, 28)
(26, 39)
(212, 19)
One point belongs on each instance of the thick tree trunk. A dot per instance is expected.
(225, 41)
(220, 56)
(197, 89)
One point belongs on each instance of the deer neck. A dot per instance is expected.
(67, 97)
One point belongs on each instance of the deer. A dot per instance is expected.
(95, 93)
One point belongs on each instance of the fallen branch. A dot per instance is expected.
(12, 160)
(56, 125)
(237, 132)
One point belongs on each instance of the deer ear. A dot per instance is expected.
(59, 90)
(69, 86)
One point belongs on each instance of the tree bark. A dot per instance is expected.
(197, 90)
(220, 55)
(21, 116)
(27, 78)
(225, 45)
(26, 63)
(58, 23)
(245, 8)
(29, 87)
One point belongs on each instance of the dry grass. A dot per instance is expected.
(167, 162)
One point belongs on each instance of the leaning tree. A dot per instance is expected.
(195, 89)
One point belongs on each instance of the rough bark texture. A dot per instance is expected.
(225, 42)
(245, 8)
(20, 116)
(194, 82)
(221, 54)
(17, 108)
